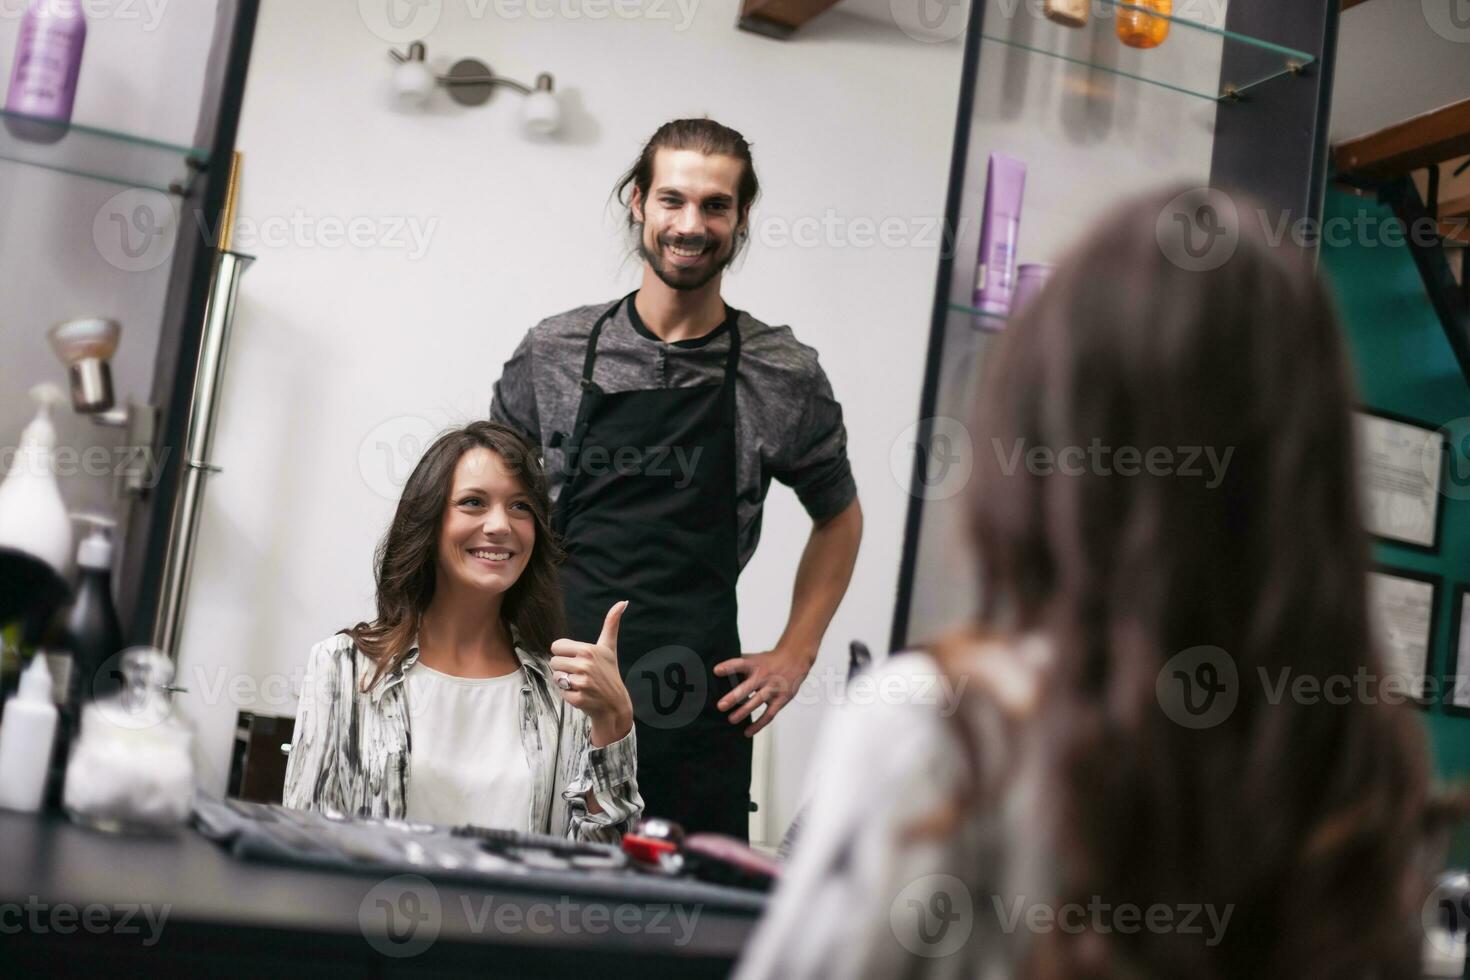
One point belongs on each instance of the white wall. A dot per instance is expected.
(1397, 59)
(340, 349)
(1426, 54)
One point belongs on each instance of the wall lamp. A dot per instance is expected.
(471, 82)
(86, 346)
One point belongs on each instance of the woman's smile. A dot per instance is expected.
(488, 521)
(491, 556)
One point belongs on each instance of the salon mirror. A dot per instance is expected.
(403, 249)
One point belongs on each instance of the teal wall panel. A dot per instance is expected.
(1404, 366)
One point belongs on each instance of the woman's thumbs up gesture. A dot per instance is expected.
(587, 678)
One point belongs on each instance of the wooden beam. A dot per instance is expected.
(1458, 208)
(1455, 230)
(779, 18)
(1401, 149)
(1454, 219)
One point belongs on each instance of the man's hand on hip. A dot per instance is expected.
(772, 679)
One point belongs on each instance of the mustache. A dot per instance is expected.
(700, 243)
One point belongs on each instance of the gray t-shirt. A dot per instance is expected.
(787, 423)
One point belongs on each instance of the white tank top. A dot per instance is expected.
(467, 763)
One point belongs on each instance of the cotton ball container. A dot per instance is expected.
(132, 768)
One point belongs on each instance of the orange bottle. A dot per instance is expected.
(1137, 29)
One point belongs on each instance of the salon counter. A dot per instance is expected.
(73, 899)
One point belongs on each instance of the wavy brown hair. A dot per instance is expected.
(1306, 817)
(407, 557)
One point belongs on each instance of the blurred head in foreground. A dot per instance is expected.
(1192, 550)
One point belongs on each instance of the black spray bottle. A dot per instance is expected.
(90, 636)
(92, 633)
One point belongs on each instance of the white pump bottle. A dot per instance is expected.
(33, 517)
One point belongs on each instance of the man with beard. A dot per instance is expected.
(663, 417)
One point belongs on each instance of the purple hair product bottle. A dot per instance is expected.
(1000, 226)
(48, 61)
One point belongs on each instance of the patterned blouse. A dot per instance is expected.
(350, 753)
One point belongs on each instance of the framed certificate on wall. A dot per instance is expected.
(1401, 470)
(1401, 610)
(1457, 670)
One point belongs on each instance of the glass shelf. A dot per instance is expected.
(1188, 61)
(983, 320)
(87, 151)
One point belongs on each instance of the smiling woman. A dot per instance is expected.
(457, 666)
(436, 526)
(489, 528)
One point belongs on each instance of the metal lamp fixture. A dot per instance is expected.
(471, 82)
(86, 346)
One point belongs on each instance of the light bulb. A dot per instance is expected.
(541, 113)
(74, 340)
(413, 85)
(85, 346)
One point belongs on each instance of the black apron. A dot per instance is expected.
(647, 514)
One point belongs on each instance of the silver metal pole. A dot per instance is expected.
(219, 314)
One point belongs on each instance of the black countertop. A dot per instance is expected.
(73, 898)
